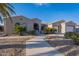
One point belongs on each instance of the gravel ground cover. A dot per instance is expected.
(65, 46)
(13, 46)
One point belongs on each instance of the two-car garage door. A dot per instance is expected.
(69, 29)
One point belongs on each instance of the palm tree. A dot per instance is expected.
(6, 10)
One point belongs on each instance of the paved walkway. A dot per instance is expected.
(39, 47)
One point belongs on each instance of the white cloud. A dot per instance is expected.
(41, 4)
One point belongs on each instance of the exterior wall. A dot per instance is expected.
(57, 26)
(50, 26)
(35, 20)
(9, 26)
(63, 27)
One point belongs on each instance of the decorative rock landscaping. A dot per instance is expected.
(65, 46)
(13, 46)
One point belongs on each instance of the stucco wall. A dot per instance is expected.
(63, 27)
(35, 20)
(50, 26)
(9, 26)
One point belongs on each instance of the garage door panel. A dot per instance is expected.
(70, 29)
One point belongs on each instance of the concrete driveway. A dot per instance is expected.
(39, 47)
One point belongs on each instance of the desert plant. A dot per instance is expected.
(53, 30)
(74, 36)
(20, 29)
(6, 10)
(33, 32)
(68, 35)
(49, 30)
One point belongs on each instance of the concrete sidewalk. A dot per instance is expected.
(39, 47)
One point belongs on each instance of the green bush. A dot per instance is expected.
(19, 29)
(53, 30)
(33, 32)
(69, 34)
(49, 30)
(74, 36)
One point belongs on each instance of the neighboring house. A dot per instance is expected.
(63, 26)
(30, 24)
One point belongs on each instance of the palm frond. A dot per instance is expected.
(6, 10)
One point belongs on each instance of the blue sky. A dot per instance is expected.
(49, 12)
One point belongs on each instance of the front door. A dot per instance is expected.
(36, 26)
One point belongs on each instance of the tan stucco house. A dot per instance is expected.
(24, 21)
(63, 26)
(36, 24)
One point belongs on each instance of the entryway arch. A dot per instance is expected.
(36, 26)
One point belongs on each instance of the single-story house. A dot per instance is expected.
(63, 26)
(36, 24)
(30, 24)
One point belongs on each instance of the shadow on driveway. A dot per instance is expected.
(36, 44)
(13, 46)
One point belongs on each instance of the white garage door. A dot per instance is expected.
(70, 29)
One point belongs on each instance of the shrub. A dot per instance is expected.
(19, 29)
(53, 30)
(74, 36)
(49, 30)
(69, 34)
(33, 32)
